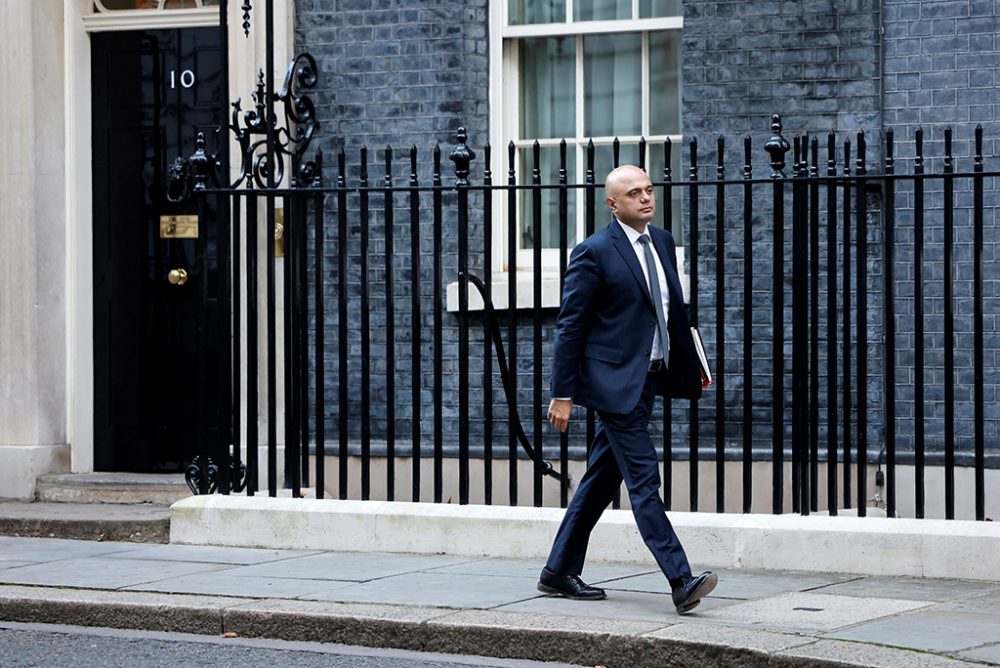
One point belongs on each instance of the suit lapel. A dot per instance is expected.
(624, 248)
(673, 281)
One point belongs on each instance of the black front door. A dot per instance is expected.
(157, 316)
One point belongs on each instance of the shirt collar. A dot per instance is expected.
(632, 235)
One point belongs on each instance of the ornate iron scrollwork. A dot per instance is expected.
(263, 160)
(300, 113)
(264, 147)
(207, 470)
(264, 144)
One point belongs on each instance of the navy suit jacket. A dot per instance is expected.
(606, 324)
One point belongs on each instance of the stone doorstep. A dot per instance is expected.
(484, 633)
(119, 488)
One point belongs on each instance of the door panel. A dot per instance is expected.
(152, 91)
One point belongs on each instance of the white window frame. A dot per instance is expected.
(504, 117)
(101, 19)
(82, 17)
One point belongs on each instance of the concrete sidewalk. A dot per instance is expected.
(490, 607)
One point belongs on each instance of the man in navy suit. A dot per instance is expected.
(622, 338)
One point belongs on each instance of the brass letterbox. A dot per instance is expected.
(179, 227)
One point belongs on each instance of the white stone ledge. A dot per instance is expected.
(864, 546)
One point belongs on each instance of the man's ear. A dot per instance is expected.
(610, 201)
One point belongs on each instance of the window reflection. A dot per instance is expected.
(522, 12)
(664, 83)
(612, 75)
(657, 8)
(548, 105)
(549, 165)
(602, 10)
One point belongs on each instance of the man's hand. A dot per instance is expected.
(559, 412)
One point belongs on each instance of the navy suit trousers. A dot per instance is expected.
(622, 450)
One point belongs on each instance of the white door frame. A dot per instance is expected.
(79, 23)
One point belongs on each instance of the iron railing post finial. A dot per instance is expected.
(247, 8)
(185, 175)
(777, 146)
(260, 98)
(200, 162)
(462, 156)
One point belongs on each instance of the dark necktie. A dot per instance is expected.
(654, 289)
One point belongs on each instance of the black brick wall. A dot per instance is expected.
(402, 73)
(816, 62)
(825, 67)
(397, 72)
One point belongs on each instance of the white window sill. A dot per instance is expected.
(526, 288)
(499, 288)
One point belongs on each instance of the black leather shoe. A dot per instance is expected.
(570, 586)
(689, 593)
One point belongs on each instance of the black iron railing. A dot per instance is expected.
(829, 303)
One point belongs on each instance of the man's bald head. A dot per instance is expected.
(620, 175)
(629, 195)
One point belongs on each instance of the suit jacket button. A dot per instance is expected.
(646, 353)
(652, 324)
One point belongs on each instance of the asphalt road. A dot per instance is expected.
(52, 646)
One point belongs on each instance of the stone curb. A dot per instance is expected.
(513, 635)
(131, 531)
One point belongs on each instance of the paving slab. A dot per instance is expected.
(596, 573)
(990, 654)
(5, 563)
(349, 566)
(863, 655)
(987, 604)
(223, 583)
(736, 584)
(636, 606)
(651, 583)
(96, 573)
(210, 554)
(931, 630)
(728, 636)
(53, 549)
(446, 590)
(805, 611)
(919, 589)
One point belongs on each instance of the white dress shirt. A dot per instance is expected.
(656, 351)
